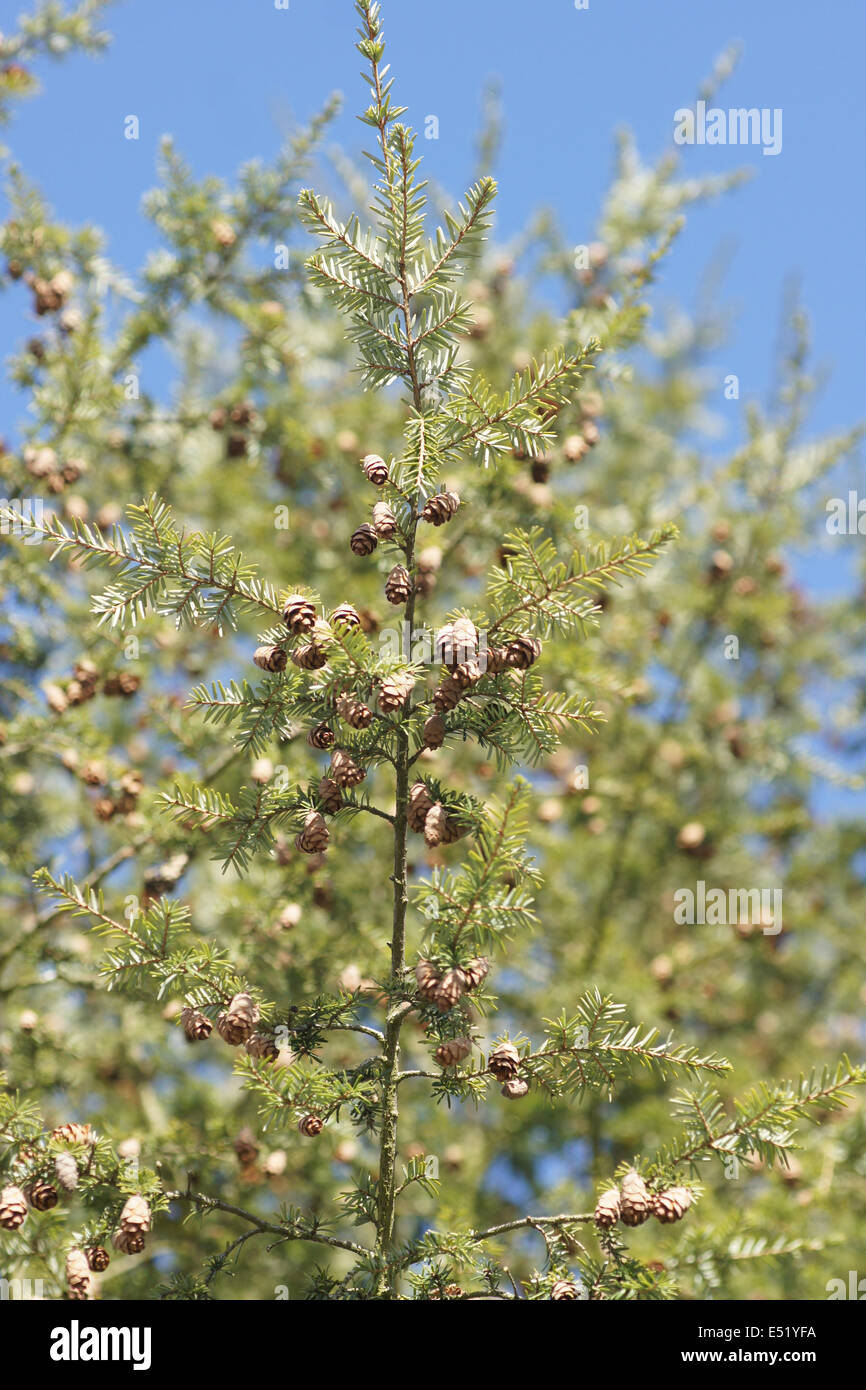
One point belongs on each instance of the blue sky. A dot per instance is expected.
(227, 79)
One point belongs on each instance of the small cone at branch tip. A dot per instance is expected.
(384, 521)
(196, 1025)
(330, 795)
(322, 736)
(310, 1126)
(272, 658)
(447, 695)
(236, 1023)
(135, 1215)
(671, 1204)
(315, 835)
(262, 1048)
(345, 616)
(299, 614)
(309, 657)
(354, 711)
(564, 1290)
(438, 828)
(344, 770)
(398, 586)
(449, 989)
(449, 1054)
(13, 1208)
(128, 1242)
(434, 731)
(66, 1172)
(364, 540)
(476, 971)
(420, 803)
(515, 1088)
(523, 652)
(504, 1061)
(395, 691)
(375, 469)
(634, 1199)
(427, 977)
(41, 1195)
(79, 1283)
(457, 642)
(441, 508)
(607, 1209)
(467, 673)
(97, 1257)
(73, 1133)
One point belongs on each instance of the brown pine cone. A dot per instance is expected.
(270, 658)
(195, 1025)
(634, 1199)
(467, 673)
(449, 990)
(428, 979)
(493, 660)
(449, 1054)
(607, 1209)
(398, 586)
(434, 731)
(66, 1172)
(574, 448)
(447, 695)
(41, 1195)
(299, 614)
(476, 971)
(515, 1088)
(384, 521)
(440, 508)
(438, 829)
(354, 711)
(522, 652)
(670, 1205)
(364, 540)
(330, 795)
(310, 1126)
(13, 1208)
(262, 1047)
(246, 1148)
(128, 1242)
(309, 657)
(237, 1023)
(456, 642)
(420, 802)
(72, 1133)
(345, 616)
(504, 1061)
(395, 691)
(135, 1215)
(564, 1289)
(322, 736)
(375, 469)
(315, 835)
(124, 683)
(344, 770)
(78, 1281)
(427, 568)
(97, 1258)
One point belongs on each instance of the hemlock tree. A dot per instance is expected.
(435, 1096)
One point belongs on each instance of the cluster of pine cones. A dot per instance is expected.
(236, 1025)
(633, 1203)
(239, 419)
(40, 1192)
(85, 683)
(444, 987)
(129, 1239)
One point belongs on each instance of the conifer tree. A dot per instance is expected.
(402, 436)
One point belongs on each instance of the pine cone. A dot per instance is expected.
(476, 971)
(670, 1205)
(434, 731)
(395, 691)
(504, 1061)
(607, 1209)
(246, 1148)
(309, 657)
(66, 1172)
(384, 521)
(634, 1199)
(135, 1216)
(515, 1088)
(262, 1047)
(315, 835)
(322, 736)
(354, 711)
(440, 508)
(522, 652)
(330, 796)
(449, 990)
(41, 1195)
(13, 1208)
(78, 1280)
(428, 979)
(447, 695)
(438, 829)
(299, 614)
(72, 1133)
(162, 877)
(270, 658)
(457, 642)
(493, 660)
(97, 1258)
(564, 1289)
(375, 469)
(467, 673)
(310, 1126)
(398, 586)
(420, 802)
(128, 1242)
(344, 770)
(196, 1025)
(364, 540)
(238, 1021)
(345, 616)
(449, 1054)
(427, 568)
